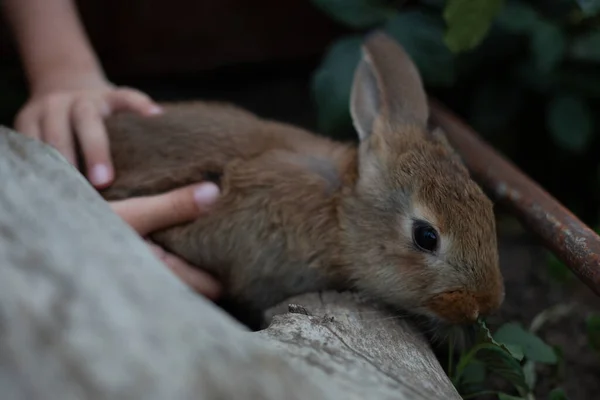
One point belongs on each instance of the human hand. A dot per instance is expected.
(72, 112)
(150, 213)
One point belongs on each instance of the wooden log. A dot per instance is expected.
(87, 312)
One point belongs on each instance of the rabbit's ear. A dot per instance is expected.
(438, 135)
(364, 99)
(387, 85)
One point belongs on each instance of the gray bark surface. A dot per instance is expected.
(87, 312)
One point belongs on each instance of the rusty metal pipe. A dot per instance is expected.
(573, 242)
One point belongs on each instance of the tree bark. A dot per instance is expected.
(87, 312)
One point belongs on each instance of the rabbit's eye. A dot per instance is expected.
(425, 236)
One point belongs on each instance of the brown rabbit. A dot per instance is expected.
(397, 217)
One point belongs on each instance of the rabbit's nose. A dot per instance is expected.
(474, 315)
(456, 307)
(489, 302)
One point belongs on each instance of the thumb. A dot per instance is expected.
(151, 213)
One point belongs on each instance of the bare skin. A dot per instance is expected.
(70, 96)
(148, 214)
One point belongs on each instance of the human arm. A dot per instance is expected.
(69, 92)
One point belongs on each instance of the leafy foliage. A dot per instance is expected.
(518, 18)
(532, 347)
(473, 377)
(468, 22)
(570, 122)
(530, 374)
(421, 35)
(589, 7)
(332, 84)
(511, 353)
(547, 45)
(557, 394)
(488, 355)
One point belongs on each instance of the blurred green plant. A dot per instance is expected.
(511, 353)
(548, 47)
(468, 22)
(557, 394)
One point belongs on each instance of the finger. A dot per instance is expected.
(151, 213)
(134, 100)
(199, 280)
(56, 127)
(93, 139)
(27, 122)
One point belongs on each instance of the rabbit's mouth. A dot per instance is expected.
(456, 307)
(463, 307)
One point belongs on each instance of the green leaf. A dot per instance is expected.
(473, 375)
(589, 7)
(357, 13)
(548, 44)
(474, 372)
(530, 375)
(469, 22)
(502, 364)
(586, 47)
(485, 336)
(332, 84)
(496, 357)
(515, 351)
(570, 122)
(497, 360)
(422, 36)
(593, 331)
(557, 394)
(518, 18)
(561, 365)
(504, 396)
(533, 347)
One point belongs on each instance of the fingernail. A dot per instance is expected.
(206, 194)
(100, 174)
(155, 110)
